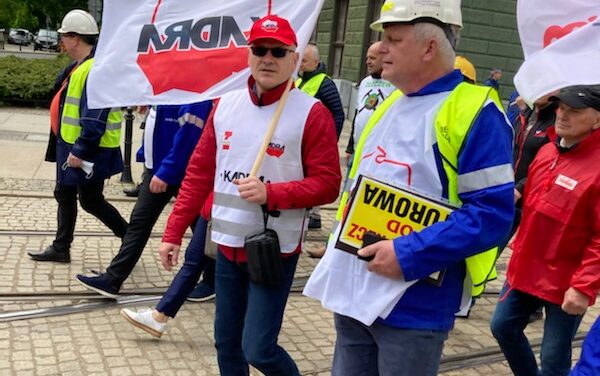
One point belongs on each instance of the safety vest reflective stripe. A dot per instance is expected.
(71, 121)
(459, 109)
(70, 127)
(232, 201)
(312, 86)
(239, 229)
(72, 100)
(485, 178)
(191, 119)
(236, 202)
(75, 123)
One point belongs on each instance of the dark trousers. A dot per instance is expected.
(92, 201)
(248, 320)
(381, 350)
(187, 277)
(145, 213)
(509, 322)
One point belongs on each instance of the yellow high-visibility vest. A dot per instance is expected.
(452, 123)
(70, 128)
(312, 86)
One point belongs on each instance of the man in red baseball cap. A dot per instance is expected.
(300, 170)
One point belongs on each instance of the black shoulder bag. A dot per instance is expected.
(265, 266)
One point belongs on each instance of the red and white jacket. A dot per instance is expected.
(558, 242)
(320, 165)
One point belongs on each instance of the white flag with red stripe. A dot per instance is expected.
(561, 44)
(181, 51)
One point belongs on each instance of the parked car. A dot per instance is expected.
(46, 40)
(18, 36)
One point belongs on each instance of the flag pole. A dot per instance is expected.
(261, 153)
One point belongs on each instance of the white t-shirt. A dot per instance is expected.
(149, 137)
(371, 93)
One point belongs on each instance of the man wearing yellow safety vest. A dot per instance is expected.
(316, 83)
(84, 143)
(443, 144)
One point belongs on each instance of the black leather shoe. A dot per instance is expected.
(314, 223)
(50, 254)
(133, 192)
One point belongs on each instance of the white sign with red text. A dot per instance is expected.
(178, 51)
(561, 44)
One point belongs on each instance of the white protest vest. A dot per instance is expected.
(240, 127)
(400, 151)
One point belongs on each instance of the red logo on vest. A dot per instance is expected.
(276, 148)
(226, 142)
(381, 157)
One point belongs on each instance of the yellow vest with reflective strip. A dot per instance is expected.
(312, 86)
(452, 123)
(70, 128)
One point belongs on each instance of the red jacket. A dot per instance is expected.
(320, 160)
(558, 242)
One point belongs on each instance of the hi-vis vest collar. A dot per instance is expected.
(462, 107)
(312, 85)
(70, 129)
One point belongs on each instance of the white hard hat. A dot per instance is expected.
(398, 11)
(80, 22)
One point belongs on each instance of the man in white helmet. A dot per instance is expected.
(443, 146)
(84, 143)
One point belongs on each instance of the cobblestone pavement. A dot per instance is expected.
(100, 342)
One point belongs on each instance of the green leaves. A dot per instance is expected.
(29, 79)
(36, 14)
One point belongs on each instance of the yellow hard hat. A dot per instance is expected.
(466, 67)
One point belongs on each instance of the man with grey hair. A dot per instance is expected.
(437, 142)
(314, 81)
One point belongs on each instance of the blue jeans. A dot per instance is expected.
(248, 320)
(187, 277)
(510, 320)
(381, 350)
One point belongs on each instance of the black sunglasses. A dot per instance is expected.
(277, 52)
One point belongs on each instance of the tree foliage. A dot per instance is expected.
(36, 14)
(29, 79)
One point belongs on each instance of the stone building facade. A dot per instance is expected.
(489, 37)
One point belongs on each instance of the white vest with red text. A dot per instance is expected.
(240, 127)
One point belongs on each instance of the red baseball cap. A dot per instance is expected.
(273, 27)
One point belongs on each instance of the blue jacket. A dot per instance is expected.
(482, 222)
(589, 361)
(107, 161)
(176, 134)
(493, 83)
(512, 111)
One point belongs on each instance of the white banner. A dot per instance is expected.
(181, 51)
(561, 44)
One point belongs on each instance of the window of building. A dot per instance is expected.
(374, 36)
(339, 31)
(371, 36)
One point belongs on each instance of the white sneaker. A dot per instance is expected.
(143, 319)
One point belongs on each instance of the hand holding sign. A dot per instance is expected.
(385, 262)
